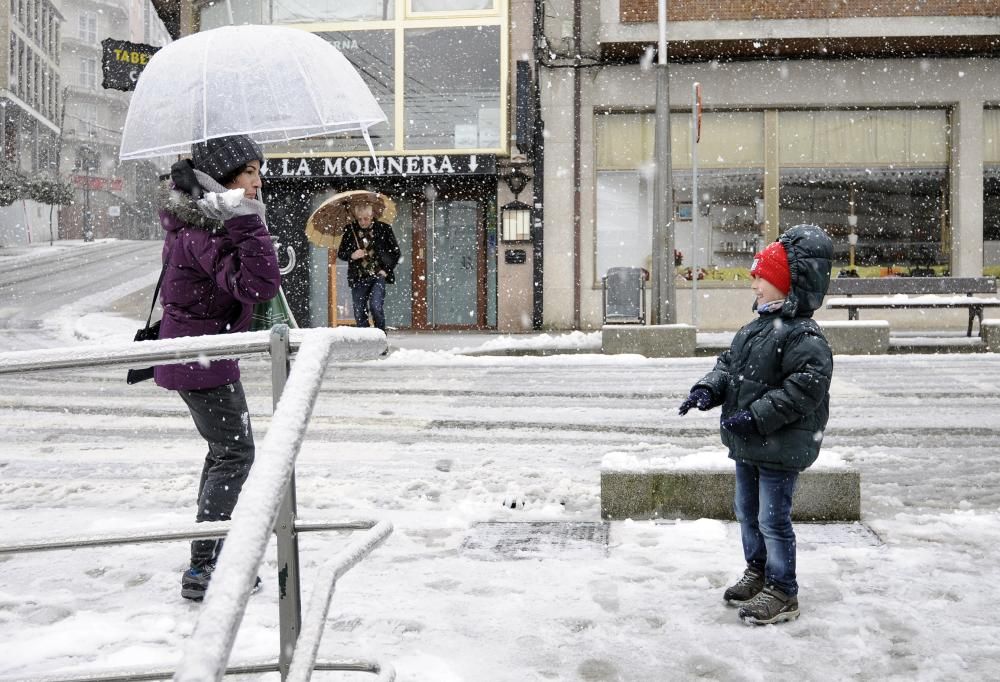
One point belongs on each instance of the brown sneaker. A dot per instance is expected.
(746, 588)
(770, 606)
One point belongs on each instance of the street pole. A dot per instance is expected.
(664, 308)
(88, 230)
(695, 203)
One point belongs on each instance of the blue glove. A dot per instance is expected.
(741, 423)
(700, 398)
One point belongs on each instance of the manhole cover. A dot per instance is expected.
(809, 535)
(496, 540)
(851, 534)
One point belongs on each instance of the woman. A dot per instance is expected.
(219, 262)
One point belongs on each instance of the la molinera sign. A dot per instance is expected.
(390, 166)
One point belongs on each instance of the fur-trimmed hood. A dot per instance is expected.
(182, 206)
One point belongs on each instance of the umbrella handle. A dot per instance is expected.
(291, 261)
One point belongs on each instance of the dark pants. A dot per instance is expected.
(369, 294)
(221, 417)
(763, 506)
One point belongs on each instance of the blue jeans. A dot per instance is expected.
(763, 506)
(369, 294)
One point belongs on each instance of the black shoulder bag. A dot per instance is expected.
(150, 332)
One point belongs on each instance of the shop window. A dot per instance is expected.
(452, 88)
(372, 54)
(730, 189)
(887, 169)
(451, 6)
(991, 192)
(235, 12)
(303, 11)
(624, 220)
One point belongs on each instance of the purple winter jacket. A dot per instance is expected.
(215, 274)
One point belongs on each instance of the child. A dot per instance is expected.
(774, 388)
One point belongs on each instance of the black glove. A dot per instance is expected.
(184, 179)
(741, 423)
(700, 398)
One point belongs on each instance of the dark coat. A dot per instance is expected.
(384, 249)
(779, 366)
(215, 273)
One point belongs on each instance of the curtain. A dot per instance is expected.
(860, 138)
(728, 140)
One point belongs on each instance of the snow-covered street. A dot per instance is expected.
(483, 464)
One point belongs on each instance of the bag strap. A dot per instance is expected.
(156, 291)
(156, 295)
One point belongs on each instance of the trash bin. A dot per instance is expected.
(624, 299)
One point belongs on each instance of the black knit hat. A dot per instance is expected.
(220, 157)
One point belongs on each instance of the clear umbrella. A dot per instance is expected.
(270, 82)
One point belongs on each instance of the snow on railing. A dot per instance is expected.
(263, 497)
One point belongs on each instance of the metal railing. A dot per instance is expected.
(269, 492)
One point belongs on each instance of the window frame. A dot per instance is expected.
(87, 22)
(498, 16)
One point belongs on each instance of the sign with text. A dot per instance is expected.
(122, 62)
(94, 182)
(388, 166)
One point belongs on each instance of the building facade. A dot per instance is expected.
(874, 120)
(30, 102)
(442, 71)
(111, 199)
(878, 121)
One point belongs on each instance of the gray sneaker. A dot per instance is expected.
(746, 588)
(770, 606)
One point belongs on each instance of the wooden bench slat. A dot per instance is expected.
(930, 292)
(859, 286)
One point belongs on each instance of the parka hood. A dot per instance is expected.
(810, 260)
(178, 209)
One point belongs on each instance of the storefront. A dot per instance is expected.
(446, 226)
(440, 70)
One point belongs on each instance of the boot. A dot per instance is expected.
(746, 588)
(770, 606)
(194, 582)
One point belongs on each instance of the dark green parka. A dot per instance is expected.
(779, 366)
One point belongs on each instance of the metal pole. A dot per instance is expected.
(287, 540)
(664, 306)
(694, 202)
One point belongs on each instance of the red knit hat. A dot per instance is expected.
(772, 265)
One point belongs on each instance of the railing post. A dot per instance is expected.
(289, 596)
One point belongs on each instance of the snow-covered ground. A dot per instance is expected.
(484, 465)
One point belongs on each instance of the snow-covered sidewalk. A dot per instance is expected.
(469, 588)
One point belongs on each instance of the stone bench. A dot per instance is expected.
(822, 494)
(856, 337)
(990, 330)
(653, 341)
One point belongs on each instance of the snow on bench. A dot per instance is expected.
(914, 292)
(701, 485)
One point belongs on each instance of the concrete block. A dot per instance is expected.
(654, 341)
(857, 337)
(821, 494)
(990, 331)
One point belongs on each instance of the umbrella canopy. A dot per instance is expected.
(326, 225)
(270, 82)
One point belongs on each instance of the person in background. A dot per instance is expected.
(219, 262)
(774, 388)
(371, 251)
